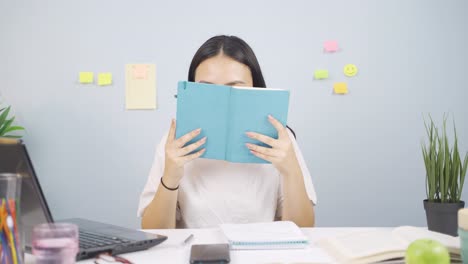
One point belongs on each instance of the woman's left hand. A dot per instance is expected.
(281, 154)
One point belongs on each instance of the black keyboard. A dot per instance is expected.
(93, 240)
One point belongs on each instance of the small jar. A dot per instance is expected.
(55, 243)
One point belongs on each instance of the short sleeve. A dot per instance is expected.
(154, 179)
(309, 186)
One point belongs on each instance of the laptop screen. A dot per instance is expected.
(33, 206)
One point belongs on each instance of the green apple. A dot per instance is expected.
(427, 251)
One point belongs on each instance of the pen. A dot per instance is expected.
(188, 239)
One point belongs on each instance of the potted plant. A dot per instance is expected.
(445, 176)
(6, 124)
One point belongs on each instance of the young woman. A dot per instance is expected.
(187, 192)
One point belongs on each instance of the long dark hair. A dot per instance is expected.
(235, 48)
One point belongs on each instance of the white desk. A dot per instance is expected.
(171, 251)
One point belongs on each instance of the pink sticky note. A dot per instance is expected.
(140, 71)
(330, 46)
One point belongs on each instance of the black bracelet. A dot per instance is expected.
(170, 189)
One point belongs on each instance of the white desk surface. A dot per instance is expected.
(171, 250)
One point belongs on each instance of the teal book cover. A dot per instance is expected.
(225, 113)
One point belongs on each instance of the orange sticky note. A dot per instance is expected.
(330, 46)
(140, 71)
(340, 88)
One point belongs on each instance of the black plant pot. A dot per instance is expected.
(442, 217)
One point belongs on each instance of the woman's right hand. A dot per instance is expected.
(177, 155)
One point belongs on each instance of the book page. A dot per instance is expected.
(204, 106)
(410, 234)
(382, 244)
(360, 244)
(249, 111)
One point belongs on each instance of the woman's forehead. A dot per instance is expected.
(223, 70)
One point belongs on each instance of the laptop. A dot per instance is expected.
(95, 237)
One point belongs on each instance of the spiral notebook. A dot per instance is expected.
(271, 235)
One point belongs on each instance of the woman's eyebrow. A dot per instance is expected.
(234, 83)
(228, 84)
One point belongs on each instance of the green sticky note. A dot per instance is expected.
(105, 78)
(321, 74)
(86, 77)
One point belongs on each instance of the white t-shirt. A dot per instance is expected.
(213, 192)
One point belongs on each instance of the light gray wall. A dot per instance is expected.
(363, 149)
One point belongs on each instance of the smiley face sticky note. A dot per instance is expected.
(86, 77)
(340, 88)
(140, 71)
(330, 46)
(321, 74)
(104, 78)
(350, 70)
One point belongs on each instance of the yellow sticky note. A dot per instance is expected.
(105, 78)
(86, 77)
(321, 74)
(140, 86)
(340, 88)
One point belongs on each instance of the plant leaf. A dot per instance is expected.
(463, 174)
(4, 115)
(13, 128)
(426, 165)
(455, 168)
(11, 136)
(447, 168)
(5, 126)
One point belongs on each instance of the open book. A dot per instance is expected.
(225, 113)
(381, 245)
(269, 235)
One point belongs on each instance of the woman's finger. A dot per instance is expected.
(263, 150)
(188, 149)
(172, 129)
(262, 156)
(180, 142)
(193, 156)
(277, 125)
(262, 138)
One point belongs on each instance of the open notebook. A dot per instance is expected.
(381, 245)
(225, 113)
(271, 235)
